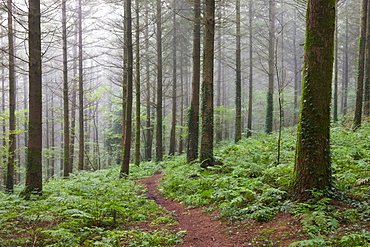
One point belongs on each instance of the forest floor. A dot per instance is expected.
(204, 229)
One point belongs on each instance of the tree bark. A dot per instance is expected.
(193, 124)
(149, 127)
(367, 68)
(128, 119)
(206, 148)
(174, 85)
(312, 169)
(12, 103)
(159, 127)
(81, 120)
(137, 86)
(66, 144)
(361, 67)
(250, 105)
(34, 151)
(271, 74)
(238, 86)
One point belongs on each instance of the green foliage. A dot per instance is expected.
(249, 184)
(88, 209)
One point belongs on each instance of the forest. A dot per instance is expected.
(185, 123)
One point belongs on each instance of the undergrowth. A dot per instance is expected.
(250, 185)
(88, 209)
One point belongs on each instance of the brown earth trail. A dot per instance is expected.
(202, 230)
(205, 230)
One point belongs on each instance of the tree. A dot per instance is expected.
(66, 147)
(367, 67)
(129, 64)
(193, 123)
(206, 148)
(137, 85)
(12, 120)
(361, 67)
(159, 110)
(174, 84)
(271, 62)
(250, 105)
(238, 87)
(81, 151)
(34, 151)
(312, 168)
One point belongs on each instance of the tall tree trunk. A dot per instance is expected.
(52, 156)
(250, 105)
(335, 93)
(193, 124)
(137, 87)
(296, 73)
(367, 64)
(34, 151)
(159, 136)
(81, 151)
(345, 73)
(149, 127)
(361, 67)
(128, 119)
(312, 169)
(12, 93)
(181, 141)
(73, 104)
(271, 74)
(66, 147)
(238, 86)
(174, 85)
(219, 119)
(206, 148)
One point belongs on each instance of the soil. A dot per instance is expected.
(206, 230)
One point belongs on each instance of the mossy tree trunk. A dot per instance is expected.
(193, 123)
(312, 169)
(206, 148)
(34, 150)
(361, 67)
(367, 68)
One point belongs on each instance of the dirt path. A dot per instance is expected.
(202, 230)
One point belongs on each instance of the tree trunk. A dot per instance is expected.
(137, 87)
(81, 151)
(271, 74)
(335, 96)
(34, 151)
(193, 124)
(206, 148)
(66, 147)
(128, 119)
(149, 127)
(361, 67)
(250, 105)
(159, 136)
(174, 85)
(296, 73)
(345, 73)
(367, 68)
(312, 169)
(219, 120)
(238, 86)
(12, 102)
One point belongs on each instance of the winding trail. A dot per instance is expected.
(202, 230)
